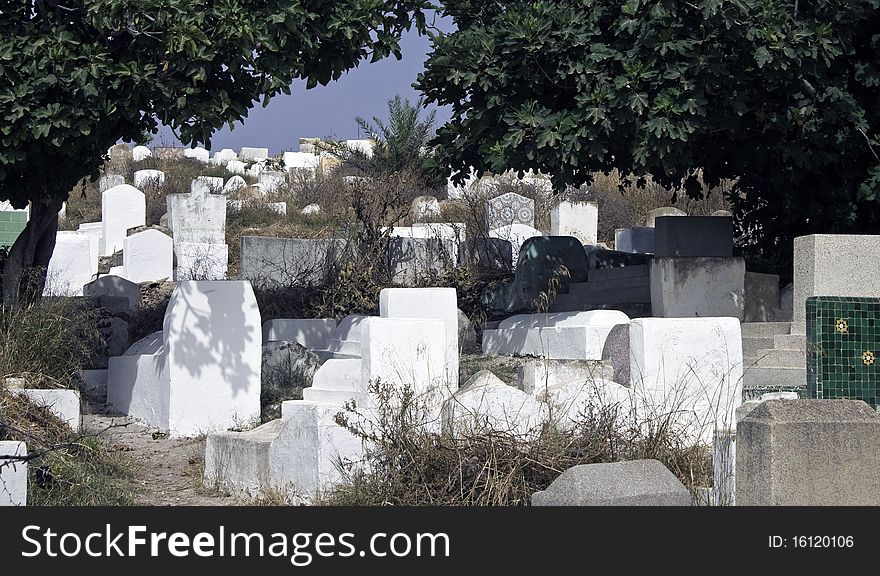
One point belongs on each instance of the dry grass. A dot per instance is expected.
(623, 205)
(65, 469)
(47, 342)
(407, 464)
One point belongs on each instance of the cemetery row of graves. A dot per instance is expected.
(657, 369)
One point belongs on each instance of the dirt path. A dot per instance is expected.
(168, 471)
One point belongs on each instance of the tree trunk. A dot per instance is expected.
(24, 273)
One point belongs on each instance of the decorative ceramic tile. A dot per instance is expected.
(843, 340)
(510, 208)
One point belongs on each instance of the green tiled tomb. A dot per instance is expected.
(11, 225)
(843, 345)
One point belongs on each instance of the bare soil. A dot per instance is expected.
(168, 471)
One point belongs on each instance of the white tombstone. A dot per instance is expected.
(313, 333)
(251, 154)
(516, 234)
(223, 156)
(62, 403)
(94, 231)
(486, 404)
(689, 368)
(206, 185)
(301, 161)
(338, 382)
(204, 374)
(651, 218)
(139, 153)
(143, 178)
(277, 207)
(255, 169)
(13, 473)
(575, 218)
(197, 218)
(296, 456)
(236, 167)
(272, 182)
(406, 353)
(70, 266)
(201, 261)
(109, 181)
(454, 232)
(573, 403)
(234, 184)
(559, 335)
(428, 303)
(311, 210)
(423, 208)
(198, 153)
(147, 256)
(122, 207)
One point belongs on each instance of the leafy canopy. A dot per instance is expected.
(78, 75)
(780, 94)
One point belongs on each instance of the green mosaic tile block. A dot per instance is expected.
(843, 348)
(11, 225)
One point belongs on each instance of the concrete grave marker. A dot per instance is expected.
(140, 153)
(313, 333)
(115, 286)
(122, 207)
(687, 369)
(486, 404)
(510, 208)
(651, 218)
(808, 453)
(575, 218)
(144, 178)
(632, 483)
(205, 373)
(147, 256)
(13, 473)
(198, 153)
(251, 154)
(201, 261)
(70, 266)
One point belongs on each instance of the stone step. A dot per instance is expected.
(790, 342)
(633, 271)
(752, 345)
(779, 357)
(774, 377)
(610, 293)
(764, 329)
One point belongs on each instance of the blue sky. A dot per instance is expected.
(327, 111)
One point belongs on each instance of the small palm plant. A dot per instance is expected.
(399, 143)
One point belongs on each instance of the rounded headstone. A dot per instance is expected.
(663, 211)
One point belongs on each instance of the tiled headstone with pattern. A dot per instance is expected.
(510, 208)
(843, 345)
